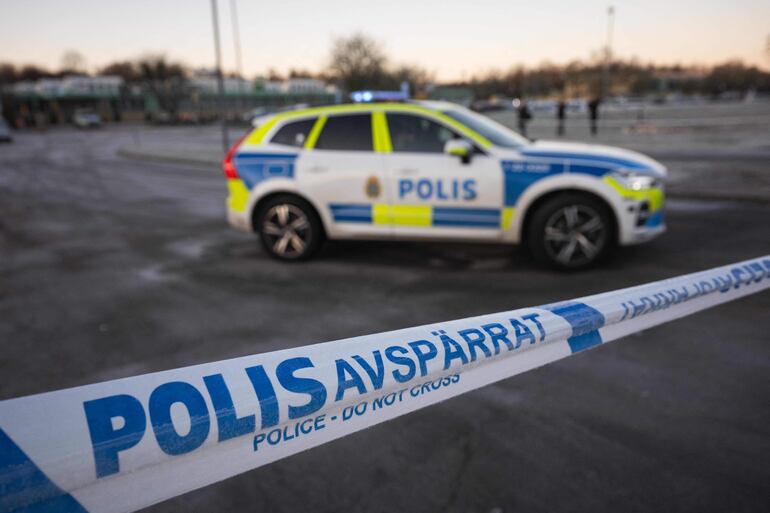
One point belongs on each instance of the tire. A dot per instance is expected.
(289, 228)
(571, 231)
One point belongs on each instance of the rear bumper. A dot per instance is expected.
(239, 220)
(237, 205)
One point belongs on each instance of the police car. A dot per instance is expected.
(435, 171)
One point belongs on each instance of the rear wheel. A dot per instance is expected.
(289, 228)
(570, 231)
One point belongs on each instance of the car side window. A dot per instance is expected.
(349, 132)
(294, 133)
(410, 133)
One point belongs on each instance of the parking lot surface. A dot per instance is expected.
(113, 267)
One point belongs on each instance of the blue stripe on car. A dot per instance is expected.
(597, 160)
(253, 168)
(518, 175)
(351, 213)
(479, 217)
(655, 220)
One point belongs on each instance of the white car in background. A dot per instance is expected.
(435, 171)
(86, 118)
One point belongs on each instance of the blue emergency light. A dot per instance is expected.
(378, 96)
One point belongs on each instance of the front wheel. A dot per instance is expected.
(571, 231)
(289, 228)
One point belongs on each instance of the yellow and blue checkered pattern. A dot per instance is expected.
(422, 215)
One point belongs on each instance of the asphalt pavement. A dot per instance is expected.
(111, 267)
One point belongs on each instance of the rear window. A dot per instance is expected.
(294, 133)
(350, 133)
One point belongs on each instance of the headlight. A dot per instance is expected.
(635, 181)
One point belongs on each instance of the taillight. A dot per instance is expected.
(228, 166)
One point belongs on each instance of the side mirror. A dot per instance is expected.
(459, 148)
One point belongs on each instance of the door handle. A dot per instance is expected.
(318, 169)
(408, 172)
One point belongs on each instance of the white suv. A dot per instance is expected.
(435, 171)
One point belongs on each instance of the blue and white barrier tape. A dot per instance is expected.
(126, 444)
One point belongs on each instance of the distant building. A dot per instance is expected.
(49, 101)
(271, 86)
(305, 86)
(55, 100)
(103, 86)
(299, 85)
(205, 82)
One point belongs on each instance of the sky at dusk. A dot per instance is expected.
(453, 39)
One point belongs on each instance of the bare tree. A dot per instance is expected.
(8, 74)
(418, 78)
(767, 48)
(31, 72)
(167, 81)
(358, 62)
(273, 75)
(73, 61)
(300, 73)
(127, 70)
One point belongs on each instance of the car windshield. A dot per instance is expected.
(497, 134)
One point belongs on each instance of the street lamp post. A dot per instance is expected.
(608, 53)
(220, 80)
(237, 44)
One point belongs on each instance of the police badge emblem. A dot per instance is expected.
(372, 187)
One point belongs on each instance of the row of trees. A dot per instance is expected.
(627, 78)
(145, 68)
(360, 62)
(355, 62)
(166, 80)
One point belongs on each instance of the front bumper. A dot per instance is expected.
(645, 234)
(641, 217)
(640, 223)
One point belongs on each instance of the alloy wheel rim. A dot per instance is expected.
(575, 235)
(287, 230)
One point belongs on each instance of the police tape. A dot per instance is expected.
(126, 444)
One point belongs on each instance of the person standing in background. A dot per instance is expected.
(593, 115)
(561, 114)
(524, 116)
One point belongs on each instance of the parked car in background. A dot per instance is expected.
(5, 132)
(86, 118)
(493, 104)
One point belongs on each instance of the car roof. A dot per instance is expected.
(265, 124)
(346, 108)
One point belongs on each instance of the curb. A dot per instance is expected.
(168, 159)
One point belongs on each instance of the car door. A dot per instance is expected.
(437, 195)
(344, 175)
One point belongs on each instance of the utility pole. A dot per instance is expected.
(236, 37)
(220, 80)
(608, 53)
(237, 45)
(767, 48)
